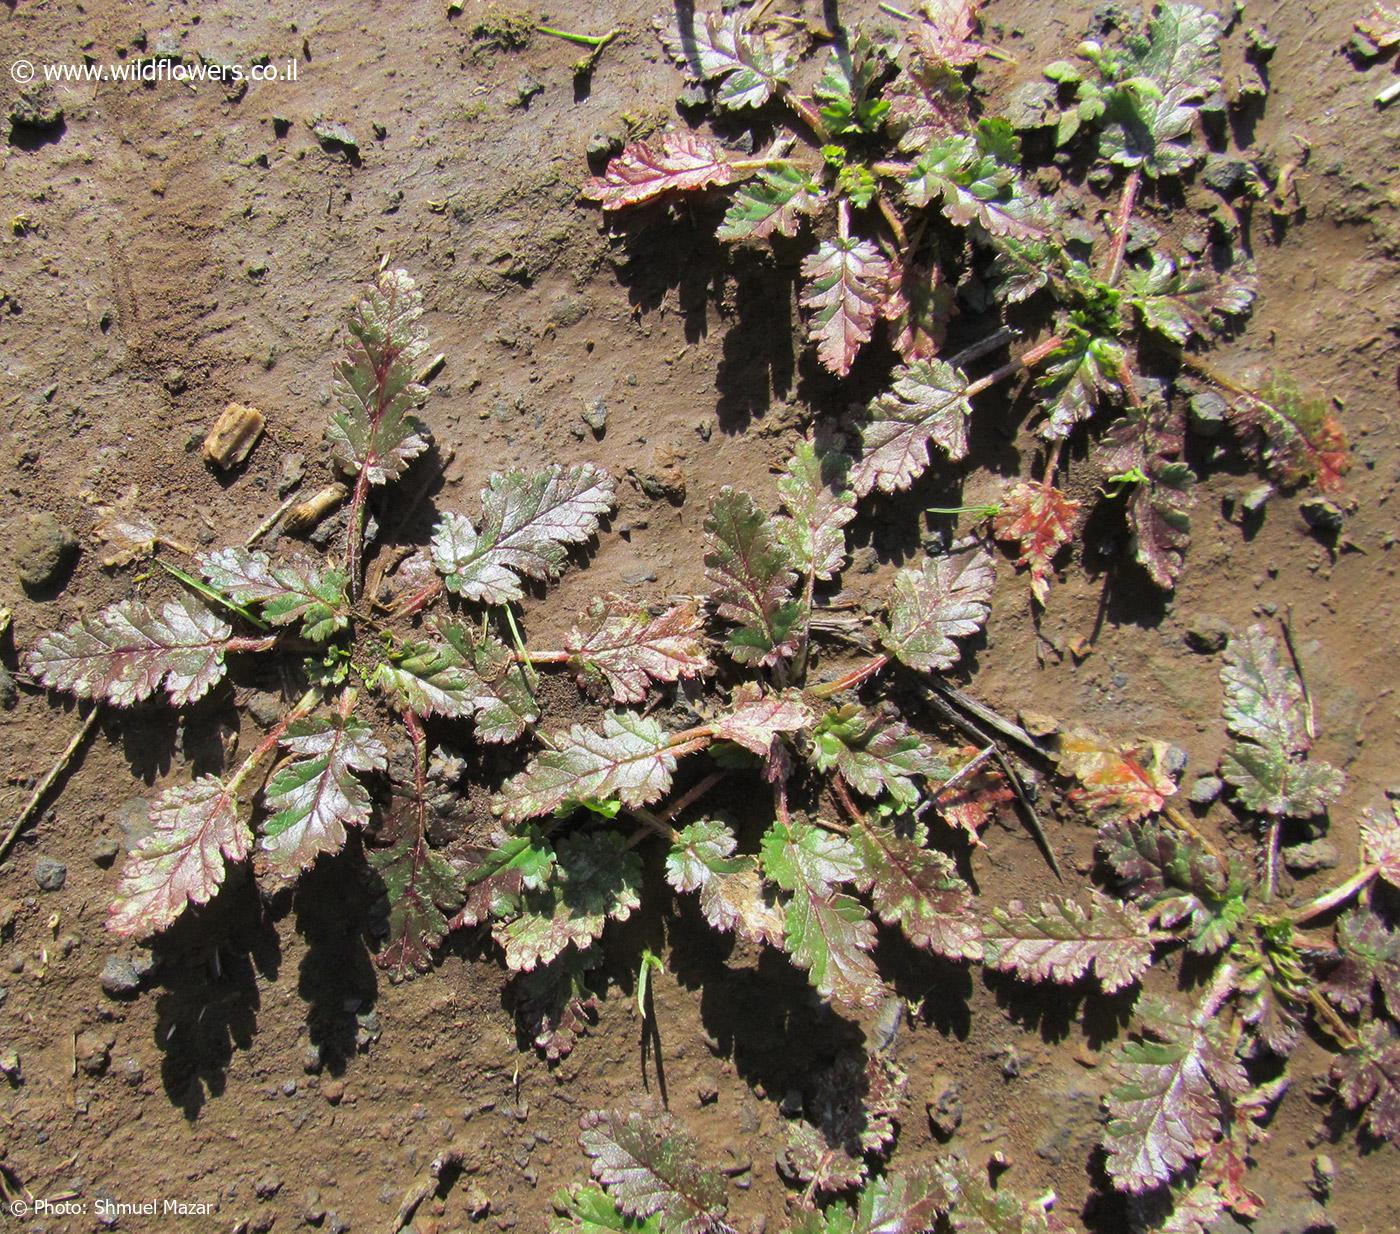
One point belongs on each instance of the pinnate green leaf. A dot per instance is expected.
(874, 753)
(949, 597)
(127, 651)
(678, 162)
(424, 890)
(596, 880)
(927, 402)
(375, 430)
(1062, 939)
(799, 855)
(1266, 711)
(296, 590)
(747, 66)
(702, 859)
(830, 936)
(818, 506)
(587, 1209)
(317, 795)
(195, 829)
(648, 1164)
(619, 647)
(632, 759)
(753, 576)
(462, 676)
(528, 522)
(775, 201)
(917, 889)
(846, 281)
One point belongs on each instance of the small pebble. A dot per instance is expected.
(44, 553)
(104, 851)
(1205, 790)
(50, 874)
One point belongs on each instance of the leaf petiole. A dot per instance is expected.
(213, 593)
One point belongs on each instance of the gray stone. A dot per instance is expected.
(1224, 174)
(265, 707)
(604, 145)
(105, 851)
(1207, 634)
(45, 553)
(1313, 855)
(595, 415)
(50, 874)
(1205, 790)
(1321, 515)
(119, 977)
(1208, 413)
(133, 817)
(37, 110)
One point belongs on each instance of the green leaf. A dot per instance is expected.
(756, 718)
(775, 201)
(423, 888)
(928, 100)
(752, 572)
(296, 590)
(1266, 712)
(976, 1207)
(1079, 375)
(316, 796)
(1062, 939)
(717, 47)
(731, 893)
(845, 91)
(971, 185)
(830, 937)
(1150, 116)
(494, 878)
(1178, 302)
(927, 402)
(128, 650)
(648, 1164)
(798, 856)
(619, 646)
(375, 430)
(528, 522)
(950, 597)
(633, 759)
(597, 879)
(874, 754)
(460, 677)
(846, 282)
(679, 162)
(586, 1209)
(819, 505)
(917, 889)
(194, 828)
(1166, 1108)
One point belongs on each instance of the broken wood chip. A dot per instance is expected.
(233, 436)
(306, 515)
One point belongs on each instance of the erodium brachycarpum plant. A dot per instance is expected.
(913, 203)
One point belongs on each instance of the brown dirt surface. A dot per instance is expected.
(181, 248)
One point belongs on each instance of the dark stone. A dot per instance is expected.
(1207, 634)
(45, 553)
(50, 874)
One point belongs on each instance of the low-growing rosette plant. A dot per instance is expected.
(914, 203)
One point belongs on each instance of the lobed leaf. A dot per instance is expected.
(927, 402)
(831, 937)
(1368, 1078)
(316, 796)
(1079, 375)
(555, 1007)
(460, 677)
(648, 1164)
(756, 719)
(681, 162)
(1298, 434)
(917, 889)
(774, 201)
(974, 1206)
(632, 759)
(1062, 939)
(1181, 301)
(586, 1209)
(874, 754)
(731, 893)
(819, 505)
(845, 92)
(195, 828)
(619, 647)
(1380, 835)
(375, 430)
(528, 523)
(1165, 1111)
(1119, 781)
(493, 879)
(296, 590)
(798, 856)
(950, 597)
(1265, 709)
(424, 891)
(752, 572)
(928, 100)
(1370, 957)
(1039, 519)
(972, 185)
(944, 35)
(748, 67)
(128, 650)
(596, 880)
(846, 281)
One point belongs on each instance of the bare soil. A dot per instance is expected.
(182, 247)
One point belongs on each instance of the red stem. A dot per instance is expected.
(1114, 270)
(850, 679)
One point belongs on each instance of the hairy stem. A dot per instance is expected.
(849, 680)
(1335, 898)
(1113, 270)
